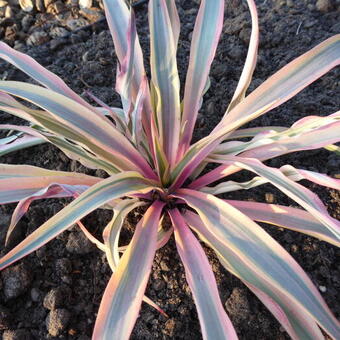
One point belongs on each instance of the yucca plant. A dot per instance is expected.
(145, 149)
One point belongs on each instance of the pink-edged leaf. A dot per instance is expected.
(250, 63)
(215, 323)
(307, 140)
(174, 19)
(54, 190)
(32, 68)
(306, 198)
(250, 253)
(288, 170)
(125, 70)
(136, 116)
(116, 186)
(286, 217)
(205, 39)
(287, 82)
(197, 154)
(276, 90)
(229, 186)
(118, 17)
(20, 142)
(164, 77)
(111, 232)
(123, 295)
(252, 132)
(98, 133)
(117, 114)
(320, 179)
(18, 182)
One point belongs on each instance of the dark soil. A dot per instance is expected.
(68, 276)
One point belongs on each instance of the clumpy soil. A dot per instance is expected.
(55, 292)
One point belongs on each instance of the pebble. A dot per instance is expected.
(164, 266)
(11, 32)
(37, 38)
(73, 24)
(57, 297)
(237, 306)
(48, 2)
(169, 327)
(323, 5)
(18, 334)
(57, 321)
(16, 280)
(35, 294)
(56, 43)
(39, 4)
(26, 5)
(322, 289)
(26, 22)
(91, 14)
(269, 197)
(56, 7)
(78, 243)
(9, 13)
(3, 3)
(85, 3)
(158, 285)
(59, 32)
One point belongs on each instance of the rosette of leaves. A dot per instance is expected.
(145, 148)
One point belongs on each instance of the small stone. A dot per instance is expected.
(11, 33)
(85, 3)
(18, 334)
(37, 38)
(26, 5)
(322, 289)
(211, 109)
(3, 3)
(57, 321)
(57, 297)
(237, 306)
(169, 327)
(19, 46)
(59, 32)
(16, 281)
(9, 13)
(35, 294)
(48, 2)
(269, 197)
(92, 14)
(26, 22)
(164, 266)
(158, 285)
(56, 7)
(73, 24)
(78, 243)
(56, 43)
(323, 5)
(40, 5)
(5, 318)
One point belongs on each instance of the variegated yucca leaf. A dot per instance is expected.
(251, 254)
(144, 149)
